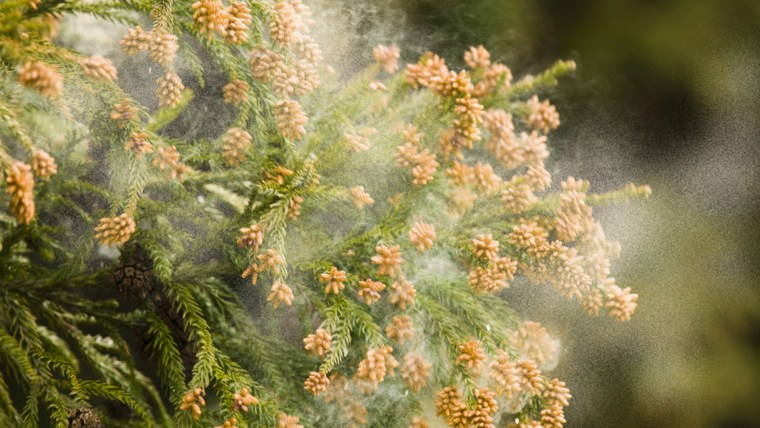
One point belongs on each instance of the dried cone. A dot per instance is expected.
(538, 178)
(450, 143)
(290, 119)
(253, 270)
(411, 134)
(532, 341)
(477, 57)
(279, 175)
(285, 79)
(135, 41)
(308, 49)
(415, 371)
(132, 277)
(193, 401)
(83, 417)
(485, 179)
(422, 236)
(163, 48)
(493, 75)
(270, 260)
(294, 207)
(377, 364)
(236, 93)
(239, 23)
(318, 344)
(243, 399)
(304, 16)
(534, 148)
(19, 184)
(592, 302)
(543, 116)
(429, 66)
(424, 170)
(279, 294)
(138, 144)
(264, 63)
(557, 394)
(234, 145)
(485, 406)
(502, 142)
(307, 76)
(286, 421)
(485, 247)
(210, 17)
(418, 422)
(471, 355)
(387, 57)
(115, 230)
(251, 237)
(388, 260)
(169, 91)
(408, 154)
(42, 77)
(505, 375)
(460, 174)
(358, 143)
(282, 29)
(620, 303)
(400, 328)
(369, 290)
(123, 112)
(229, 423)
(499, 124)
(527, 423)
(494, 278)
(43, 165)
(451, 406)
(469, 115)
(168, 157)
(335, 280)
(531, 381)
(553, 417)
(402, 293)
(451, 84)
(99, 68)
(518, 198)
(531, 238)
(359, 197)
(316, 383)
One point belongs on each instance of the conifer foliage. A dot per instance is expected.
(284, 270)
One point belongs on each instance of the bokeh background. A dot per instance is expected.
(666, 93)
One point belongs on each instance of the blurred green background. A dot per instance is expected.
(666, 93)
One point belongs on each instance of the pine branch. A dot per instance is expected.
(342, 319)
(162, 118)
(30, 415)
(115, 11)
(59, 414)
(115, 393)
(164, 351)
(196, 324)
(8, 410)
(15, 356)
